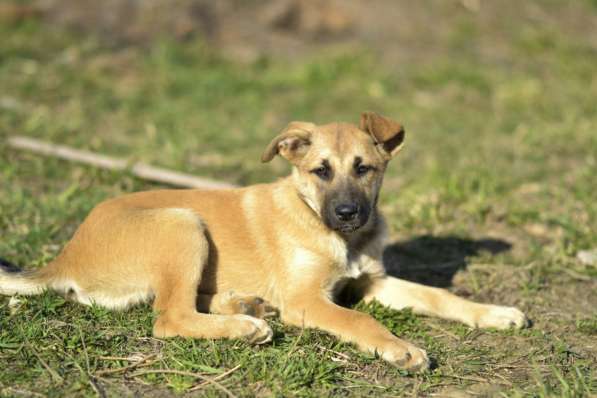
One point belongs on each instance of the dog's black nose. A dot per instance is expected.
(347, 212)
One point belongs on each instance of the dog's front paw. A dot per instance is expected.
(495, 316)
(405, 356)
(255, 331)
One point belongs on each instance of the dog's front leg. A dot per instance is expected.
(398, 294)
(355, 327)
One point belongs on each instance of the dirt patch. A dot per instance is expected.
(397, 31)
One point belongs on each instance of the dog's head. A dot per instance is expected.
(338, 168)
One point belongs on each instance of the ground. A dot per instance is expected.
(492, 197)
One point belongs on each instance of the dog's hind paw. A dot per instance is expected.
(233, 303)
(255, 331)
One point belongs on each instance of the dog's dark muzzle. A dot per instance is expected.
(347, 217)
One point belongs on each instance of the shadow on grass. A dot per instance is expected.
(432, 260)
(7, 266)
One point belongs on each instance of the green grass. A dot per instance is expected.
(506, 150)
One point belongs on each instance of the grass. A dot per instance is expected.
(500, 150)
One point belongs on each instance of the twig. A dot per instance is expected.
(92, 382)
(57, 378)
(344, 356)
(189, 374)
(416, 387)
(294, 344)
(576, 275)
(469, 378)
(368, 385)
(84, 349)
(140, 170)
(143, 362)
(96, 387)
(218, 377)
(444, 331)
(506, 381)
(20, 391)
(128, 359)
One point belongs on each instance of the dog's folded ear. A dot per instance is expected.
(292, 143)
(387, 134)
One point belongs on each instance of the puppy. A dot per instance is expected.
(212, 260)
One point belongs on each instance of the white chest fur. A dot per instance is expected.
(353, 269)
(345, 264)
(331, 252)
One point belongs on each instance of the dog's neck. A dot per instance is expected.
(290, 199)
(295, 206)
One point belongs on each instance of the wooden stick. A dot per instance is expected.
(140, 170)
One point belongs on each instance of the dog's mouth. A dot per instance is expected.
(348, 229)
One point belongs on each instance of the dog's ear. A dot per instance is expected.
(292, 143)
(387, 134)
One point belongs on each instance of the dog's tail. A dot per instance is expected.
(13, 280)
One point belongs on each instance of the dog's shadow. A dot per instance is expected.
(434, 261)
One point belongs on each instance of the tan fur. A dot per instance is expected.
(217, 251)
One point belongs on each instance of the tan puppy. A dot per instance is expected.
(295, 243)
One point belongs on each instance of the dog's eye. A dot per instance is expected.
(322, 172)
(361, 170)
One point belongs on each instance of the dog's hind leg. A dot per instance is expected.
(398, 294)
(175, 287)
(230, 302)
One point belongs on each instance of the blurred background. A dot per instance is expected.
(493, 196)
(202, 85)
